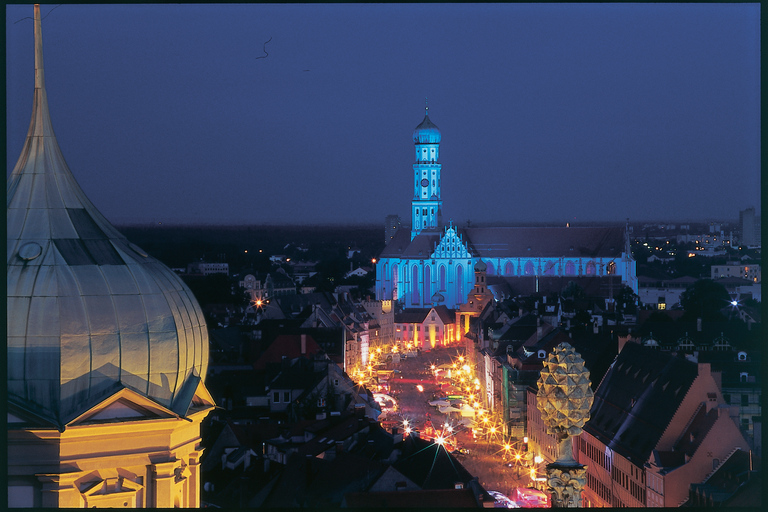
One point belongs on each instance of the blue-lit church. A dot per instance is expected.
(435, 264)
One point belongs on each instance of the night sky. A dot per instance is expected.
(548, 113)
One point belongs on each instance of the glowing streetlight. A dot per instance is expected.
(420, 388)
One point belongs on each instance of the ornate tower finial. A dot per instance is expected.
(39, 73)
(426, 106)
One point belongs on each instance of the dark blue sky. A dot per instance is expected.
(548, 112)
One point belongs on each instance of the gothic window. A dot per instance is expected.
(490, 270)
(459, 284)
(529, 268)
(427, 278)
(442, 277)
(611, 269)
(394, 282)
(508, 269)
(415, 285)
(570, 269)
(590, 268)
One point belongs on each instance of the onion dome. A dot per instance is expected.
(89, 313)
(437, 298)
(480, 266)
(427, 132)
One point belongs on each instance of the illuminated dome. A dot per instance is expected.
(480, 266)
(437, 298)
(88, 313)
(426, 132)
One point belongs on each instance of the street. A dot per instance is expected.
(485, 457)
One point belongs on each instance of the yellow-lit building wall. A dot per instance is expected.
(150, 462)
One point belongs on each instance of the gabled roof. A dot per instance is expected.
(697, 430)
(638, 398)
(413, 500)
(288, 346)
(401, 245)
(311, 481)
(578, 242)
(500, 242)
(430, 466)
(412, 316)
(446, 315)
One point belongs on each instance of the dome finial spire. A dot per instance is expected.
(426, 106)
(39, 74)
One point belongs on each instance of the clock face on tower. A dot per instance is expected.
(424, 182)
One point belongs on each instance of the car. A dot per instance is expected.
(500, 500)
(460, 451)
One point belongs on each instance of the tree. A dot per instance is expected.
(581, 320)
(704, 299)
(572, 289)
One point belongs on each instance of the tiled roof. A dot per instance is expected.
(433, 498)
(445, 314)
(412, 316)
(638, 398)
(499, 242)
(430, 466)
(582, 242)
(401, 245)
(593, 286)
(286, 345)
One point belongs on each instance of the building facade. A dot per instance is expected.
(435, 258)
(658, 424)
(749, 272)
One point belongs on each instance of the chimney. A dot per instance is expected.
(303, 344)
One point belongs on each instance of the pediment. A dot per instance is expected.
(124, 405)
(21, 417)
(192, 397)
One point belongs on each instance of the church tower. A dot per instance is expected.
(426, 206)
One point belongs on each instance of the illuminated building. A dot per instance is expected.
(432, 257)
(107, 348)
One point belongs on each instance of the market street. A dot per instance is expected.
(415, 387)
